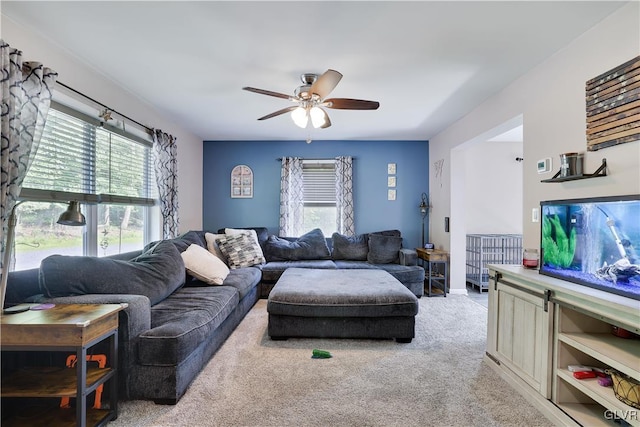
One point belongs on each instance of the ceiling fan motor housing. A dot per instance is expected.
(303, 91)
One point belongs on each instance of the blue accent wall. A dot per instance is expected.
(373, 212)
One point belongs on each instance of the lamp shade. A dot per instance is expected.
(424, 205)
(72, 216)
(300, 117)
(318, 117)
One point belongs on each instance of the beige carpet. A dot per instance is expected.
(439, 379)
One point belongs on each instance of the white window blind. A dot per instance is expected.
(93, 162)
(319, 182)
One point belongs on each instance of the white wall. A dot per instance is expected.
(80, 77)
(550, 101)
(493, 188)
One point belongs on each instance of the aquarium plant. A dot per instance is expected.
(558, 252)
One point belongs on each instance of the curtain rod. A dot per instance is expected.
(279, 159)
(101, 104)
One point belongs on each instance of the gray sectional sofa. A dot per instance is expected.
(174, 323)
(380, 250)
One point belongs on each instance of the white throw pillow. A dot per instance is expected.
(212, 245)
(205, 266)
(252, 234)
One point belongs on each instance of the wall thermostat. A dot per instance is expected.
(544, 165)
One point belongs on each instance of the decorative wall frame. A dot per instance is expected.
(391, 168)
(241, 182)
(613, 106)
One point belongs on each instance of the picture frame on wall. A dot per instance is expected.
(241, 182)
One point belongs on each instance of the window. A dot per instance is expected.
(109, 171)
(319, 196)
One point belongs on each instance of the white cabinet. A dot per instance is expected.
(521, 332)
(538, 325)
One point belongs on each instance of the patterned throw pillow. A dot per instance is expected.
(241, 250)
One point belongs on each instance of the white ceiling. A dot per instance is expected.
(428, 63)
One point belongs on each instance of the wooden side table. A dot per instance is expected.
(435, 258)
(65, 327)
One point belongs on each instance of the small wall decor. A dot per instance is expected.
(613, 106)
(391, 181)
(391, 168)
(241, 182)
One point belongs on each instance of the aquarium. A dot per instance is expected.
(593, 242)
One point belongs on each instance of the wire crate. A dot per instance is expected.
(483, 249)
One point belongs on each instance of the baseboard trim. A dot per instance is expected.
(456, 291)
(545, 406)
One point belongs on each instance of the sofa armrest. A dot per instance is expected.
(408, 257)
(132, 321)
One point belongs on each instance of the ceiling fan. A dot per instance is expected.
(310, 98)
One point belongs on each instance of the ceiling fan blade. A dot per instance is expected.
(279, 112)
(326, 83)
(268, 92)
(351, 104)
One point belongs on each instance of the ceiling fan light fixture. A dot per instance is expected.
(318, 117)
(300, 117)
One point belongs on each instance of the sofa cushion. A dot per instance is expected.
(243, 279)
(272, 271)
(311, 245)
(183, 321)
(181, 242)
(203, 265)
(354, 248)
(156, 274)
(383, 249)
(394, 233)
(353, 265)
(240, 250)
(407, 274)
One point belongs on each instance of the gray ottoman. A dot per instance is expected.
(341, 304)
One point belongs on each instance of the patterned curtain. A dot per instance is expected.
(291, 197)
(165, 152)
(344, 196)
(26, 96)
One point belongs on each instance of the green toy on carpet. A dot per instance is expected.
(320, 354)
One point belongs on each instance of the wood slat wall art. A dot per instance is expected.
(613, 106)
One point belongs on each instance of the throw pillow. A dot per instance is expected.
(240, 250)
(252, 233)
(156, 274)
(203, 265)
(311, 245)
(181, 242)
(384, 249)
(395, 233)
(353, 248)
(212, 245)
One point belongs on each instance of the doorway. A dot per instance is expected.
(486, 191)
